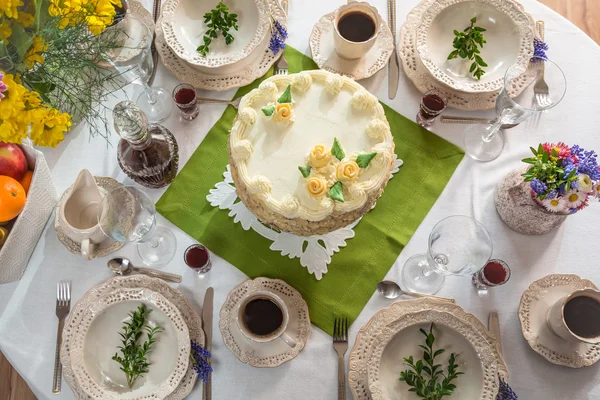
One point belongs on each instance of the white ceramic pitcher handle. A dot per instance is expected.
(87, 249)
(288, 339)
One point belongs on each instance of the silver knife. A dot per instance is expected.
(494, 327)
(207, 319)
(155, 15)
(394, 63)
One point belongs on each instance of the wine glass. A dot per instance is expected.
(458, 245)
(483, 142)
(127, 214)
(134, 58)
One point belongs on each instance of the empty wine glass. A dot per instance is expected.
(458, 245)
(134, 58)
(515, 104)
(127, 214)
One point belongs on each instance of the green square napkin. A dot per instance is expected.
(429, 162)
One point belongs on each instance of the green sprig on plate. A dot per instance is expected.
(467, 44)
(218, 20)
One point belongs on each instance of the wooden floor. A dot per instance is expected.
(583, 13)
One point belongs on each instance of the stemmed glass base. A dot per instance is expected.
(482, 143)
(159, 249)
(156, 103)
(419, 277)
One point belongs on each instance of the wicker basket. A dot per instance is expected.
(24, 235)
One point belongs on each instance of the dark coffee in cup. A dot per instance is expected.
(356, 26)
(582, 316)
(262, 316)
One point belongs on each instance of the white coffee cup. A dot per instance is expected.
(555, 318)
(354, 50)
(279, 333)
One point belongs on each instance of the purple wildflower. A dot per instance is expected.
(538, 186)
(539, 49)
(505, 392)
(276, 43)
(552, 195)
(3, 87)
(587, 162)
(281, 29)
(199, 357)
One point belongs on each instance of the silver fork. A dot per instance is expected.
(281, 65)
(340, 344)
(540, 89)
(204, 100)
(63, 305)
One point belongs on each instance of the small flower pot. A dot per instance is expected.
(519, 211)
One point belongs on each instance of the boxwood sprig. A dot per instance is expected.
(467, 44)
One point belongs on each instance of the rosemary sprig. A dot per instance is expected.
(134, 362)
(466, 44)
(423, 376)
(218, 20)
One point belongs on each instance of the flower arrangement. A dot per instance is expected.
(49, 72)
(563, 179)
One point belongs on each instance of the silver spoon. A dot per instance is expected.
(391, 290)
(450, 119)
(122, 266)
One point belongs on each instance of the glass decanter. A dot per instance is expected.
(147, 153)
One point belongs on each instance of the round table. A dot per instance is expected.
(27, 307)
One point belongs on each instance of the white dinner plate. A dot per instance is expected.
(509, 38)
(474, 356)
(184, 28)
(98, 340)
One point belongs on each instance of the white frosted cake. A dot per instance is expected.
(310, 152)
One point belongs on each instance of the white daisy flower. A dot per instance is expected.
(585, 183)
(555, 205)
(575, 198)
(596, 191)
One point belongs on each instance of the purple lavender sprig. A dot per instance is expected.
(505, 392)
(278, 36)
(540, 48)
(199, 357)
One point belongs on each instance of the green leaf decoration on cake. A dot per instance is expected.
(268, 110)
(337, 150)
(286, 97)
(305, 170)
(363, 160)
(336, 192)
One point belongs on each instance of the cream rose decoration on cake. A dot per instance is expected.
(316, 186)
(347, 171)
(319, 156)
(282, 111)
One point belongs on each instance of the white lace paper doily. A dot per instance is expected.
(314, 252)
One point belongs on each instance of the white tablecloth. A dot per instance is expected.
(27, 307)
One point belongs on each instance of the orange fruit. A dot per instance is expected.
(12, 198)
(26, 181)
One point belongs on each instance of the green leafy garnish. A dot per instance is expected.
(423, 376)
(363, 160)
(305, 170)
(268, 110)
(467, 45)
(133, 361)
(286, 96)
(337, 150)
(218, 20)
(336, 192)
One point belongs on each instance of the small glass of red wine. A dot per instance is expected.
(184, 96)
(432, 105)
(495, 273)
(197, 258)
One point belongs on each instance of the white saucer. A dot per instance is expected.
(103, 249)
(324, 55)
(535, 302)
(275, 353)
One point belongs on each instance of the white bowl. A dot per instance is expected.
(183, 28)
(402, 337)
(509, 36)
(97, 340)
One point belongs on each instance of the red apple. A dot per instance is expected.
(12, 161)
